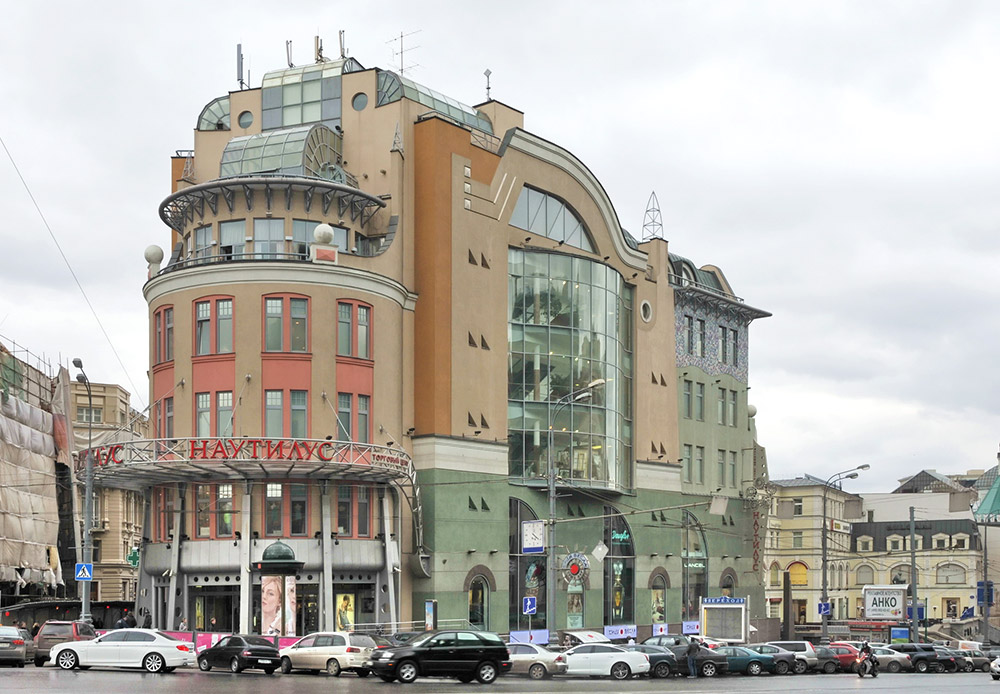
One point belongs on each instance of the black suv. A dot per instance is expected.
(708, 662)
(466, 655)
(922, 655)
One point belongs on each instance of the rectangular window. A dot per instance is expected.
(699, 345)
(299, 333)
(203, 520)
(363, 405)
(959, 543)
(268, 237)
(302, 233)
(203, 241)
(689, 334)
(894, 545)
(797, 507)
(224, 510)
(687, 406)
(232, 239)
(203, 414)
(203, 327)
(733, 344)
(272, 509)
(344, 417)
(797, 539)
(723, 345)
(364, 332)
(732, 408)
(298, 497)
(158, 339)
(90, 415)
(686, 462)
(721, 460)
(721, 409)
(344, 497)
(273, 416)
(168, 334)
(224, 413)
(699, 465)
(273, 328)
(224, 326)
(364, 511)
(168, 418)
(300, 415)
(699, 401)
(732, 468)
(344, 315)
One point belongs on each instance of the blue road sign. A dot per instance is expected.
(84, 572)
(824, 608)
(530, 605)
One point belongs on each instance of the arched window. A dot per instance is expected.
(695, 566)
(951, 574)
(658, 598)
(526, 573)
(546, 215)
(900, 574)
(728, 583)
(479, 603)
(619, 569)
(775, 575)
(798, 574)
(865, 575)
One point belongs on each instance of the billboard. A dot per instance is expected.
(885, 602)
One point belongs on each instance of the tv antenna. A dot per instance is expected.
(239, 66)
(488, 72)
(288, 53)
(318, 49)
(652, 223)
(343, 49)
(401, 52)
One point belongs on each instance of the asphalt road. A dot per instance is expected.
(49, 680)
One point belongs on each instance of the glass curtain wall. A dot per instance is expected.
(619, 569)
(570, 323)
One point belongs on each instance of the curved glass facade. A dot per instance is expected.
(215, 116)
(545, 215)
(392, 87)
(569, 324)
(310, 150)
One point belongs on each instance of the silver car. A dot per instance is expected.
(534, 661)
(12, 646)
(892, 661)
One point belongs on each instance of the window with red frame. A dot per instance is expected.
(213, 326)
(354, 511)
(286, 509)
(163, 334)
(163, 506)
(354, 322)
(214, 510)
(286, 324)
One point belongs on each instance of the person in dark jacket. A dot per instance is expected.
(692, 656)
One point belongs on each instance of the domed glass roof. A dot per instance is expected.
(278, 551)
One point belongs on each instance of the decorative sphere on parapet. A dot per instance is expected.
(751, 410)
(153, 254)
(323, 233)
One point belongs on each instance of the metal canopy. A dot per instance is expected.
(726, 305)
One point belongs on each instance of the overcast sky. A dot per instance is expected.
(838, 160)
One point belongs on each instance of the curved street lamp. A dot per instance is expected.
(835, 477)
(88, 504)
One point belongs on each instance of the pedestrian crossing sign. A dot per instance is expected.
(84, 572)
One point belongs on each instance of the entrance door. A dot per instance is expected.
(220, 603)
(799, 612)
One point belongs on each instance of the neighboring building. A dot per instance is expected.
(372, 335)
(117, 527)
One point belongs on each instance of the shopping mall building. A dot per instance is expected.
(383, 316)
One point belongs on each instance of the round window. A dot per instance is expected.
(646, 311)
(359, 101)
(246, 119)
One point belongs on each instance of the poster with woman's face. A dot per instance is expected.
(291, 606)
(271, 599)
(345, 611)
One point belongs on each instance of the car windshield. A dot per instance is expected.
(362, 640)
(490, 638)
(165, 635)
(421, 639)
(258, 641)
(9, 631)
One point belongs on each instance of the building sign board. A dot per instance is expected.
(839, 526)
(885, 602)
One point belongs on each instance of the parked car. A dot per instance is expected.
(847, 656)
(803, 651)
(995, 668)
(466, 655)
(746, 661)
(29, 646)
(403, 637)
(947, 660)
(575, 638)
(54, 632)
(534, 661)
(381, 641)
(149, 649)
(12, 649)
(605, 660)
(241, 652)
(978, 658)
(333, 651)
(662, 661)
(709, 663)
(827, 661)
(784, 661)
(922, 655)
(712, 643)
(892, 661)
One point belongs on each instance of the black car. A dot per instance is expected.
(708, 663)
(241, 652)
(922, 655)
(784, 661)
(662, 662)
(466, 655)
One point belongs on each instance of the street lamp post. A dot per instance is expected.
(842, 475)
(88, 504)
(584, 393)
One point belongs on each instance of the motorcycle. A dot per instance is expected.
(867, 664)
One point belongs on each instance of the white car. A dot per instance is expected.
(333, 651)
(604, 660)
(995, 668)
(149, 649)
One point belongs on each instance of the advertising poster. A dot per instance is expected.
(290, 606)
(345, 611)
(272, 590)
(574, 607)
(659, 611)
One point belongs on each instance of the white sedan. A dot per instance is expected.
(151, 650)
(605, 659)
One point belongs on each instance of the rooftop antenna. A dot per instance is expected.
(239, 65)
(318, 49)
(402, 51)
(488, 72)
(343, 50)
(288, 53)
(652, 223)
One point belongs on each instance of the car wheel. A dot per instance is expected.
(153, 662)
(388, 678)
(893, 666)
(754, 668)
(661, 670)
(829, 668)
(486, 672)
(709, 669)
(996, 677)
(537, 671)
(986, 667)
(67, 660)
(286, 665)
(40, 662)
(204, 665)
(621, 671)
(407, 671)
(234, 665)
(781, 668)
(800, 667)
(969, 667)
(920, 666)
(363, 673)
(333, 667)
(169, 669)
